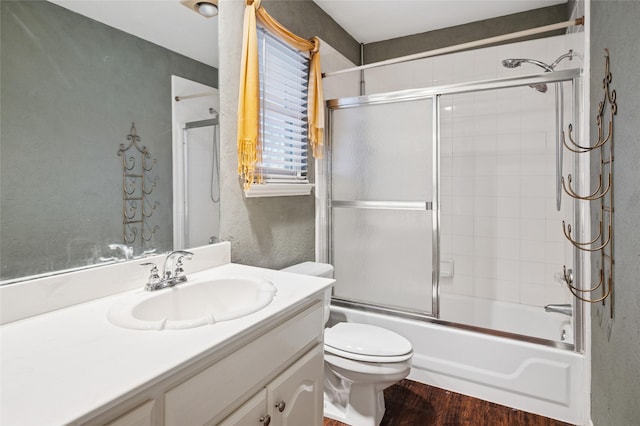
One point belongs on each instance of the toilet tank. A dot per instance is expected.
(315, 269)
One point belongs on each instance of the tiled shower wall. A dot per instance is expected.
(499, 223)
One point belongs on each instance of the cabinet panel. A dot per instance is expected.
(140, 416)
(251, 413)
(296, 396)
(206, 396)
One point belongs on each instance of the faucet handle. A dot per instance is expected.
(154, 282)
(178, 273)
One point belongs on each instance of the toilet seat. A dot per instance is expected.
(368, 343)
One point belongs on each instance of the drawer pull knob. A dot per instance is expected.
(265, 420)
(280, 406)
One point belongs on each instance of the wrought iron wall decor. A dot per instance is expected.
(136, 188)
(603, 241)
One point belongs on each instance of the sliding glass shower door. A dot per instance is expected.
(381, 199)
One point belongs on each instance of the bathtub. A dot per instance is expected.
(532, 377)
(508, 317)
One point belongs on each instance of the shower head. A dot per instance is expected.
(540, 87)
(514, 63)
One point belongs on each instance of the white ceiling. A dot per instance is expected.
(171, 25)
(164, 22)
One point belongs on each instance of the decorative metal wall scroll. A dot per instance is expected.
(136, 188)
(603, 241)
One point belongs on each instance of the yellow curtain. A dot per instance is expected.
(248, 108)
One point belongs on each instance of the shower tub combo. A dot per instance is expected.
(408, 192)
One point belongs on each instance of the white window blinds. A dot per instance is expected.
(284, 76)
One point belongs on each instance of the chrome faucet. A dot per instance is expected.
(169, 277)
(564, 309)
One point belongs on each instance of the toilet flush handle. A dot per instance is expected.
(280, 406)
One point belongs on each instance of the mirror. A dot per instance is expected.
(72, 84)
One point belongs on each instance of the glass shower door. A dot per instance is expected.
(381, 204)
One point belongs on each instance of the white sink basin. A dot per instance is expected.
(192, 304)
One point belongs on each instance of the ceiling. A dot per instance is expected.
(179, 29)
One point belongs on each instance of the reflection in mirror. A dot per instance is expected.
(70, 89)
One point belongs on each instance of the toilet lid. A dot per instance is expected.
(365, 339)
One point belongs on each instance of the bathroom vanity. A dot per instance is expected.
(73, 366)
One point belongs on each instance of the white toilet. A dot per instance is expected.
(361, 360)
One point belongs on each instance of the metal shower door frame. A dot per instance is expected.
(324, 243)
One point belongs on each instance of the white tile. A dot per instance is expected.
(464, 265)
(533, 251)
(463, 186)
(508, 144)
(463, 64)
(423, 72)
(486, 206)
(533, 186)
(486, 186)
(486, 63)
(442, 70)
(533, 229)
(485, 226)
(485, 288)
(463, 126)
(485, 247)
(508, 186)
(463, 146)
(463, 206)
(508, 165)
(507, 291)
(485, 144)
(553, 231)
(462, 246)
(446, 185)
(485, 267)
(463, 165)
(533, 295)
(508, 207)
(508, 248)
(508, 227)
(533, 164)
(508, 270)
(463, 284)
(463, 226)
(463, 105)
(554, 252)
(532, 208)
(533, 273)
(486, 165)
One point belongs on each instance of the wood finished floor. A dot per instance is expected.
(414, 404)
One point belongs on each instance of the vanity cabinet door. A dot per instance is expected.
(252, 413)
(140, 416)
(296, 396)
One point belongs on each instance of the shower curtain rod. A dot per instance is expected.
(463, 46)
(197, 95)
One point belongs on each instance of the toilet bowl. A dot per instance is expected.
(361, 360)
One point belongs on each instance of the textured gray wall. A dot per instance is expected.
(70, 89)
(307, 19)
(615, 389)
(436, 39)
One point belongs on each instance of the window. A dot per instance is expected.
(284, 77)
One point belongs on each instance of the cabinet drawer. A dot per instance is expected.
(206, 396)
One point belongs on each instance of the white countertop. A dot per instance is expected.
(60, 366)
